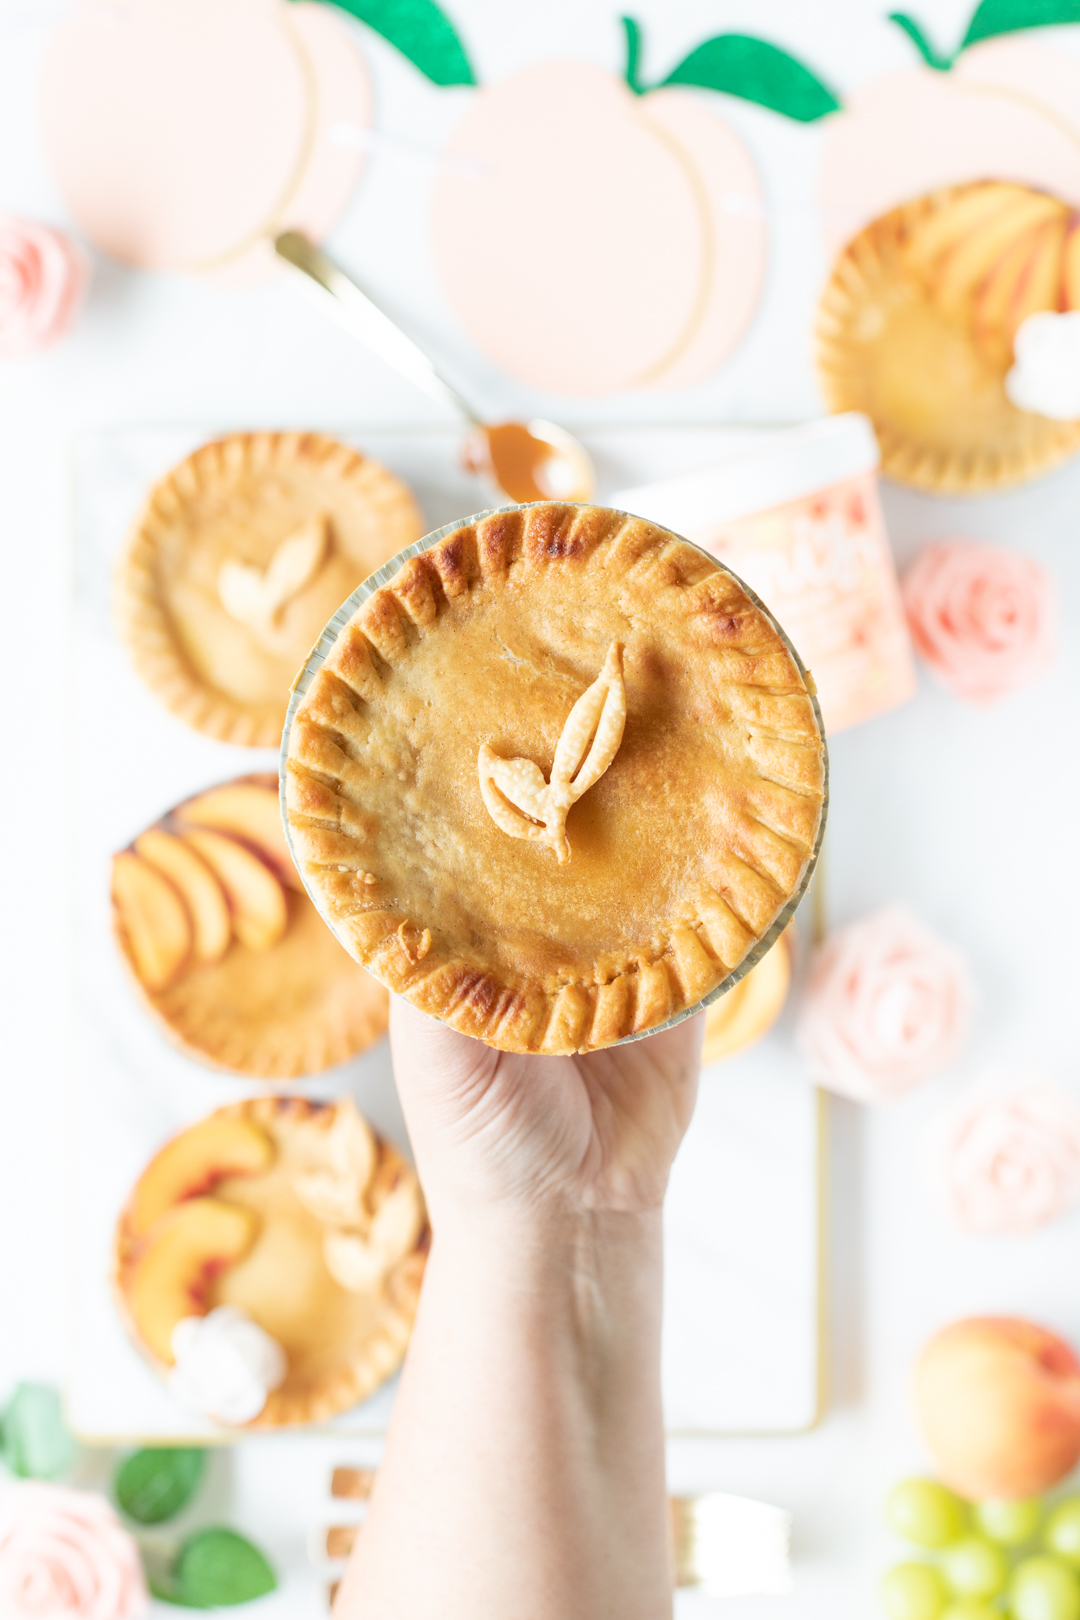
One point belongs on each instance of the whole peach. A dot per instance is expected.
(998, 1402)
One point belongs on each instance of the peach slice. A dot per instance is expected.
(969, 263)
(948, 227)
(996, 297)
(1071, 272)
(153, 919)
(1040, 287)
(182, 1254)
(188, 1166)
(199, 888)
(257, 900)
(249, 811)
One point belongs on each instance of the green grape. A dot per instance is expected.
(926, 1513)
(1062, 1533)
(1043, 1589)
(971, 1609)
(914, 1592)
(1009, 1523)
(975, 1568)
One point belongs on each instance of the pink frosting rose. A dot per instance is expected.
(1012, 1156)
(42, 276)
(982, 617)
(64, 1553)
(887, 1003)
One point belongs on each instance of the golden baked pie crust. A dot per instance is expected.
(688, 853)
(936, 396)
(239, 499)
(295, 1009)
(341, 1345)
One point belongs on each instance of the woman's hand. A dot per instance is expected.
(563, 1135)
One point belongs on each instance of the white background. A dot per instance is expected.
(967, 814)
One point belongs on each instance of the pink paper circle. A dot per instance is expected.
(581, 232)
(1008, 110)
(182, 132)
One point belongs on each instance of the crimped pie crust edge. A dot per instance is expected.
(580, 1017)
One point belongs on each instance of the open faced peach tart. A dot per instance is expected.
(227, 951)
(269, 1261)
(559, 780)
(236, 561)
(917, 326)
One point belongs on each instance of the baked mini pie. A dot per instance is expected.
(750, 1008)
(558, 780)
(917, 323)
(289, 1214)
(237, 560)
(226, 950)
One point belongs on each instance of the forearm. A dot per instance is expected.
(524, 1470)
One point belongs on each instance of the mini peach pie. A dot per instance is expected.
(917, 324)
(236, 561)
(557, 781)
(268, 1261)
(226, 950)
(750, 1008)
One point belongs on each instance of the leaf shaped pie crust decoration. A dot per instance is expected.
(515, 793)
(256, 596)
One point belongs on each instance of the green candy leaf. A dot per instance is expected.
(216, 1568)
(1010, 16)
(420, 31)
(930, 56)
(153, 1485)
(34, 1440)
(754, 70)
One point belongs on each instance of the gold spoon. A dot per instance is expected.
(534, 461)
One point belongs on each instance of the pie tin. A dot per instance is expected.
(382, 576)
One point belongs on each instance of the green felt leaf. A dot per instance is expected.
(754, 70)
(1009, 16)
(153, 1485)
(216, 1568)
(34, 1440)
(933, 58)
(420, 31)
(633, 55)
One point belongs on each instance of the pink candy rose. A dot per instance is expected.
(42, 276)
(982, 617)
(64, 1553)
(887, 1003)
(1012, 1156)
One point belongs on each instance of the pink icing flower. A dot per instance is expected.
(42, 276)
(982, 617)
(64, 1553)
(1012, 1156)
(887, 1003)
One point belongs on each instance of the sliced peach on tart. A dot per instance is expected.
(168, 1276)
(241, 972)
(198, 888)
(249, 810)
(255, 896)
(152, 920)
(192, 1163)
